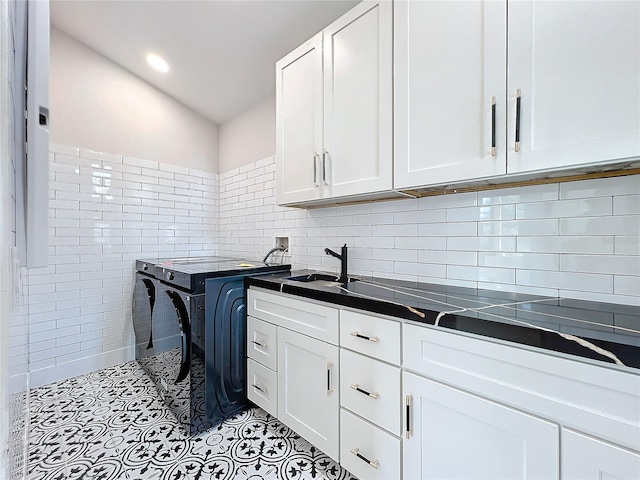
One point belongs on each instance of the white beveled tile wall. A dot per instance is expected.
(106, 211)
(577, 240)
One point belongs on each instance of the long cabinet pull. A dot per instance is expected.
(493, 126)
(374, 463)
(373, 395)
(324, 167)
(258, 387)
(518, 95)
(315, 169)
(263, 345)
(329, 389)
(409, 399)
(364, 337)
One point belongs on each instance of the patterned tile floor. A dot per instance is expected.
(110, 425)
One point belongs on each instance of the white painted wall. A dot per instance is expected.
(249, 136)
(96, 104)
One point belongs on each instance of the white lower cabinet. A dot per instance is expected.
(396, 400)
(454, 434)
(367, 451)
(308, 389)
(262, 387)
(587, 458)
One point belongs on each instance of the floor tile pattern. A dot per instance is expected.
(110, 425)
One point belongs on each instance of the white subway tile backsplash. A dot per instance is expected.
(421, 269)
(423, 216)
(482, 213)
(626, 205)
(613, 225)
(453, 229)
(482, 244)
(611, 264)
(566, 280)
(528, 261)
(448, 257)
(449, 201)
(481, 274)
(514, 228)
(627, 245)
(627, 285)
(370, 242)
(566, 244)
(423, 242)
(439, 280)
(565, 208)
(534, 193)
(601, 187)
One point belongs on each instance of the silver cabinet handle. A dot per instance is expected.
(315, 169)
(373, 395)
(493, 126)
(518, 96)
(329, 389)
(409, 399)
(325, 154)
(258, 387)
(263, 345)
(364, 337)
(374, 463)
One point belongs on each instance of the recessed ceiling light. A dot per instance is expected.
(157, 62)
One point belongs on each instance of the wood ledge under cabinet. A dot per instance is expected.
(588, 173)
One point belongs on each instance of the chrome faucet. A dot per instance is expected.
(344, 278)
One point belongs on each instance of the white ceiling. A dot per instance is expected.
(221, 53)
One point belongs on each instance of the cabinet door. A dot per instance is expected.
(299, 123)
(308, 390)
(586, 458)
(577, 66)
(450, 65)
(358, 101)
(454, 435)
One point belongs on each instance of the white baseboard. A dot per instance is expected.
(55, 373)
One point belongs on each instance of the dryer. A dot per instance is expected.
(189, 321)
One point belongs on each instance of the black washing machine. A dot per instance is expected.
(189, 321)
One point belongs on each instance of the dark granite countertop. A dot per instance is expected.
(604, 332)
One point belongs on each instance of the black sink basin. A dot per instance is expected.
(314, 277)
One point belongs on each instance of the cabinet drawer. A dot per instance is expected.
(262, 342)
(378, 397)
(262, 387)
(372, 444)
(373, 336)
(303, 316)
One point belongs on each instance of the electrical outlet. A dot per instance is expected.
(282, 241)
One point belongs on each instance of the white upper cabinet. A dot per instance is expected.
(299, 122)
(450, 69)
(570, 87)
(334, 110)
(577, 66)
